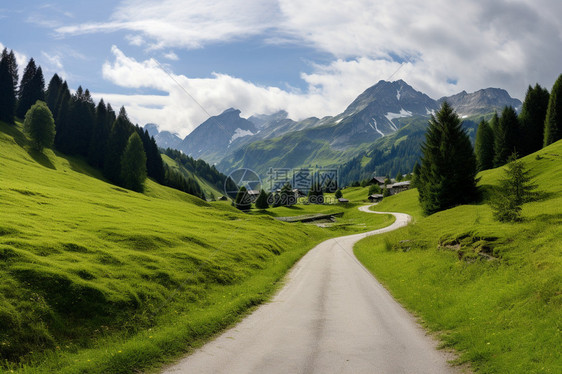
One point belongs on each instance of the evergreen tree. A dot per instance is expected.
(287, 195)
(100, 136)
(80, 123)
(53, 91)
(553, 122)
(40, 126)
(12, 66)
(120, 133)
(338, 194)
(532, 118)
(61, 120)
(514, 190)
(484, 146)
(506, 137)
(448, 166)
(316, 193)
(133, 164)
(243, 200)
(32, 88)
(262, 200)
(7, 90)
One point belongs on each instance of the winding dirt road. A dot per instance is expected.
(331, 316)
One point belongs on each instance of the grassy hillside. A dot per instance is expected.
(98, 279)
(205, 185)
(493, 290)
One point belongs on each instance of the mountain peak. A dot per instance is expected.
(483, 101)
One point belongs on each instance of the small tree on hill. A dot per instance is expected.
(385, 192)
(40, 126)
(262, 200)
(553, 122)
(133, 164)
(514, 190)
(243, 201)
(374, 188)
(447, 174)
(339, 194)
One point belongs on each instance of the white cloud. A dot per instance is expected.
(187, 102)
(188, 24)
(474, 44)
(171, 56)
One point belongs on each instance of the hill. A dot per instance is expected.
(492, 290)
(100, 279)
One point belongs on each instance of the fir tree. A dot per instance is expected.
(515, 189)
(52, 94)
(338, 194)
(553, 122)
(133, 164)
(62, 138)
(484, 146)
(506, 136)
(7, 90)
(120, 133)
(32, 88)
(243, 201)
(100, 136)
(448, 166)
(40, 126)
(262, 200)
(532, 118)
(81, 123)
(12, 66)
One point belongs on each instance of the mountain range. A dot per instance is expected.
(368, 127)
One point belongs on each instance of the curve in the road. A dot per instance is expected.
(332, 316)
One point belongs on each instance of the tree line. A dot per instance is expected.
(125, 153)
(538, 125)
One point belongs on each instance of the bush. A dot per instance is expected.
(40, 126)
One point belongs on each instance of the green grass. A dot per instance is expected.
(98, 279)
(493, 290)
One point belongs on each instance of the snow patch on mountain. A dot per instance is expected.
(376, 128)
(397, 94)
(239, 133)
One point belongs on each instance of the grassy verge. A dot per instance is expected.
(97, 279)
(492, 290)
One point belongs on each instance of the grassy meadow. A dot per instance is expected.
(98, 279)
(492, 290)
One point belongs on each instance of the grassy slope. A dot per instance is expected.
(505, 315)
(207, 187)
(99, 279)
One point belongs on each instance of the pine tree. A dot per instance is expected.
(262, 200)
(553, 122)
(12, 66)
(448, 166)
(484, 146)
(7, 90)
(52, 94)
(120, 133)
(316, 193)
(80, 123)
(532, 118)
(243, 201)
(338, 194)
(100, 136)
(40, 126)
(32, 88)
(506, 137)
(514, 190)
(61, 120)
(133, 164)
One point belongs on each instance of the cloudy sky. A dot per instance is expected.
(175, 62)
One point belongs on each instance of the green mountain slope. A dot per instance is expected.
(493, 290)
(99, 279)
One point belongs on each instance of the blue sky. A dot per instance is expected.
(309, 58)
